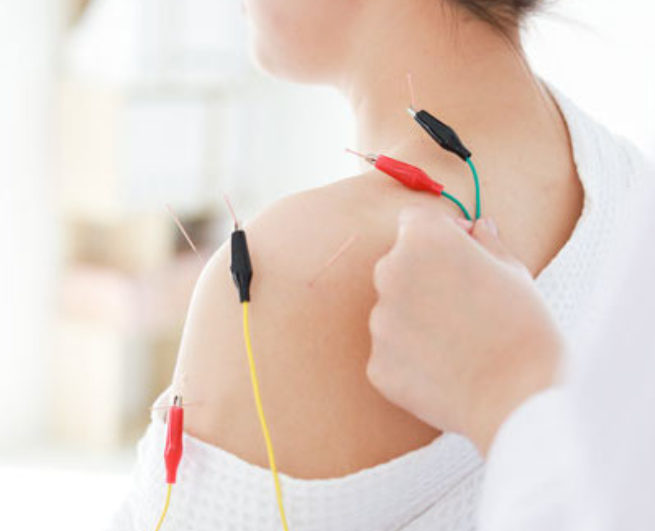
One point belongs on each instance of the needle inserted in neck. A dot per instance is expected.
(370, 158)
(410, 87)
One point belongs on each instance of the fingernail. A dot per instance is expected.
(491, 225)
(466, 224)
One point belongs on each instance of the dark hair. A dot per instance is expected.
(500, 13)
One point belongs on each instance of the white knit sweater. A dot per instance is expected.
(434, 488)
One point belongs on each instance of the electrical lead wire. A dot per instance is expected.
(242, 272)
(476, 180)
(446, 137)
(412, 177)
(262, 418)
(458, 203)
(166, 505)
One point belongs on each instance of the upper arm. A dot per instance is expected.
(310, 341)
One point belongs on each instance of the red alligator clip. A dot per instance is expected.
(411, 176)
(175, 428)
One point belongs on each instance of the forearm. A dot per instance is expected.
(509, 388)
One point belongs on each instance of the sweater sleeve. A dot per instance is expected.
(526, 484)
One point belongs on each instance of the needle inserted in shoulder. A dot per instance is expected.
(234, 216)
(338, 254)
(177, 221)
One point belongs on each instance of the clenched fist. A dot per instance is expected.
(460, 336)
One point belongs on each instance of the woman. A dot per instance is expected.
(552, 180)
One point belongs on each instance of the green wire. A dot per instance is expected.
(476, 179)
(458, 203)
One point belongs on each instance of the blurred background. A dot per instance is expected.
(112, 114)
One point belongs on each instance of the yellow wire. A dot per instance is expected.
(168, 501)
(262, 418)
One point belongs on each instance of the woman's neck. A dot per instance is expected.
(464, 71)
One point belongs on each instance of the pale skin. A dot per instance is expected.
(460, 349)
(312, 342)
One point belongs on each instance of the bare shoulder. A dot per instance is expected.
(310, 336)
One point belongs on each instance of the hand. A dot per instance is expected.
(460, 336)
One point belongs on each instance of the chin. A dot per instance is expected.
(286, 64)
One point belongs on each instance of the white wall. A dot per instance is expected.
(601, 53)
(27, 33)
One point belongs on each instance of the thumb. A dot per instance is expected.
(485, 232)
